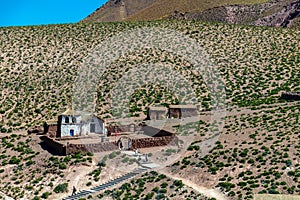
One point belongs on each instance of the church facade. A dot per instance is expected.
(72, 124)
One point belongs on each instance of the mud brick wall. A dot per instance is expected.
(112, 146)
(122, 128)
(174, 113)
(153, 142)
(54, 145)
(182, 112)
(50, 128)
(97, 147)
(69, 149)
(190, 112)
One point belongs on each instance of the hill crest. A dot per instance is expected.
(255, 12)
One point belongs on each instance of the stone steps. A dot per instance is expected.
(106, 185)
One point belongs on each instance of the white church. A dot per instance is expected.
(71, 123)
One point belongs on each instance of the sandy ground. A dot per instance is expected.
(209, 192)
(4, 196)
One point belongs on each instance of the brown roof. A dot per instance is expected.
(158, 108)
(183, 106)
(51, 122)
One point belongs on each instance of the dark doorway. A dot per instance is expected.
(92, 128)
(72, 132)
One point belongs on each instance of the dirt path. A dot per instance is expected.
(5, 196)
(212, 193)
(76, 177)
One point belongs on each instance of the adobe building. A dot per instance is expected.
(71, 123)
(129, 128)
(88, 133)
(50, 128)
(157, 113)
(182, 111)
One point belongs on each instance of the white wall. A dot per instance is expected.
(78, 119)
(98, 126)
(81, 128)
(65, 129)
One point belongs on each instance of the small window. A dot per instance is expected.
(73, 119)
(67, 120)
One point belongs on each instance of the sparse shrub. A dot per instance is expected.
(61, 188)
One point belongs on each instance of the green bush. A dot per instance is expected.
(61, 188)
(45, 195)
(89, 183)
(14, 160)
(178, 183)
(62, 166)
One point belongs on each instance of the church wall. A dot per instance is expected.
(65, 129)
(98, 126)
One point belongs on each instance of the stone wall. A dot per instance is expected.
(153, 142)
(182, 112)
(54, 146)
(157, 113)
(97, 147)
(61, 149)
(122, 128)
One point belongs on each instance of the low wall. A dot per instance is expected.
(112, 146)
(97, 147)
(153, 142)
(54, 146)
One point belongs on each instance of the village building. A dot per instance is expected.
(182, 111)
(157, 113)
(71, 123)
(50, 128)
(128, 128)
(61, 136)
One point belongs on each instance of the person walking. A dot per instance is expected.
(74, 191)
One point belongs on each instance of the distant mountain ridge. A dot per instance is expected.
(276, 13)
(118, 10)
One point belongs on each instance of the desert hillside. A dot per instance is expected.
(257, 12)
(39, 65)
(257, 151)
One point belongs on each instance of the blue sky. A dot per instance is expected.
(37, 12)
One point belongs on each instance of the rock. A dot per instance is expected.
(283, 18)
